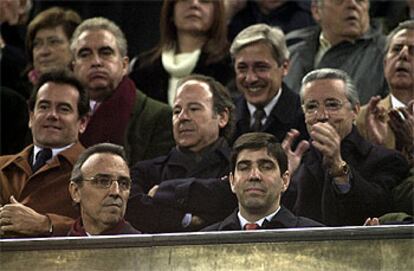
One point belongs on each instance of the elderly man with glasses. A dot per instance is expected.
(339, 178)
(100, 186)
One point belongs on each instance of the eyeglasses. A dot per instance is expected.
(331, 105)
(104, 181)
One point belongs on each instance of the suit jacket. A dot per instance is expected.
(285, 115)
(149, 132)
(374, 171)
(362, 125)
(175, 174)
(153, 79)
(362, 60)
(46, 191)
(283, 219)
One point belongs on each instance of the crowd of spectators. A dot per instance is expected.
(238, 115)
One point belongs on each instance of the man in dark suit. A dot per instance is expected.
(261, 60)
(259, 177)
(202, 123)
(342, 179)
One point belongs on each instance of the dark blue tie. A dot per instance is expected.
(41, 158)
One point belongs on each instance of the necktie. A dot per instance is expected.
(41, 158)
(251, 226)
(258, 116)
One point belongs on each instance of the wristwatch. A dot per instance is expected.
(340, 171)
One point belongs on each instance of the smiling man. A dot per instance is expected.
(259, 177)
(261, 61)
(121, 114)
(34, 195)
(100, 185)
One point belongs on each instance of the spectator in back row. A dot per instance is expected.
(47, 41)
(34, 196)
(121, 114)
(344, 40)
(259, 177)
(192, 40)
(261, 61)
(288, 15)
(100, 185)
(342, 179)
(202, 123)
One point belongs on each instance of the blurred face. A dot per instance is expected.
(55, 121)
(257, 182)
(327, 102)
(101, 208)
(194, 16)
(51, 50)
(195, 124)
(399, 61)
(11, 10)
(258, 76)
(342, 19)
(98, 63)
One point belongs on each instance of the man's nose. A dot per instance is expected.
(52, 114)
(405, 52)
(322, 114)
(251, 76)
(114, 188)
(183, 115)
(255, 174)
(96, 60)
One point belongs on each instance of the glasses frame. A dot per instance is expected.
(113, 179)
(326, 109)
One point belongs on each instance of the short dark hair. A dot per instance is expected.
(221, 100)
(256, 141)
(110, 148)
(52, 17)
(64, 77)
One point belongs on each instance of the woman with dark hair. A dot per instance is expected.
(193, 39)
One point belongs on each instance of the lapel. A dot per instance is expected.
(283, 219)
(231, 222)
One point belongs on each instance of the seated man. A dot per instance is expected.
(390, 121)
(34, 196)
(259, 177)
(100, 185)
(202, 123)
(261, 61)
(121, 114)
(342, 179)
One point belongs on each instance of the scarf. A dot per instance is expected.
(110, 120)
(178, 66)
(122, 227)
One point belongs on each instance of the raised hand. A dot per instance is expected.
(294, 157)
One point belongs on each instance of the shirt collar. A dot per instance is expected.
(55, 151)
(395, 103)
(259, 222)
(268, 108)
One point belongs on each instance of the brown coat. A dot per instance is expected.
(46, 191)
(362, 126)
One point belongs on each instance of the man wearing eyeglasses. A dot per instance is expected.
(339, 178)
(100, 186)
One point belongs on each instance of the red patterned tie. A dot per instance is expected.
(251, 226)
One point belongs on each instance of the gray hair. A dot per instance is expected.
(327, 73)
(273, 36)
(110, 148)
(100, 23)
(409, 24)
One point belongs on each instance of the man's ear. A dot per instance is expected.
(285, 66)
(231, 180)
(315, 9)
(224, 118)
(74, 192)
(285, 180)
(125, 65)
(83, 122)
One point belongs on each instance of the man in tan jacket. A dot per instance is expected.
(34, 196)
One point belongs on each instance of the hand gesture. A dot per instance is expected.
(375, 120)
(402, 124)
(294, 157)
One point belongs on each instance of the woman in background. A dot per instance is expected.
(193, 39)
